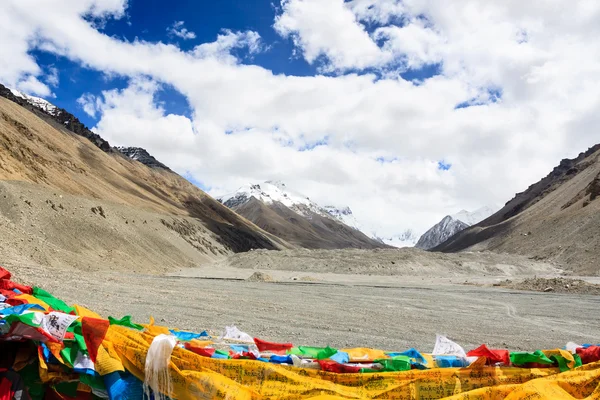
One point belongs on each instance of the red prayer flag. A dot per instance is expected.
(246, 355)
(203, 351)
(277, 348)
(493, 356)
(93, 331)
(4, 274)
(333, 366)
(589, 355)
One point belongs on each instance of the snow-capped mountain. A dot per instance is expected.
(408, 238)
(297, 219)
(344, 215)
(275, 191)
(440, 232)
(472, 218)
(38, 102)
(451, 225)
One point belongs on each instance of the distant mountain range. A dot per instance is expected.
(556, 219)
(297, 219)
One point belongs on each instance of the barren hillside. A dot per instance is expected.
(556, 219)
(38, 150)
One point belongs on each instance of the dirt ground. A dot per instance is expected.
(389, 312)
(558, 285)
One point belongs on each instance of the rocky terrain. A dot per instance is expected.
(557, 285)
(393, 312)
(556, 219)
(404, 262)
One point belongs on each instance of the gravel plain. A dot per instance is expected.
(388, 312)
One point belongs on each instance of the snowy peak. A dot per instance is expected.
(344, 215)
(451, 225)
(38, 102)
(440, 232)
(294, 217)
(274, 191)
(408, 238)
(472, 218)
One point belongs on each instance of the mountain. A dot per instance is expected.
(556, 219)
(37, 102)
(440, 232)
(295, 218)
(473, 217)
(408, 238)
(46, 151)
(451, 225)
(344, 215)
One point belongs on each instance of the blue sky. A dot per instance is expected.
(149, 21)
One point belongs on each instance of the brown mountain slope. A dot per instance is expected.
(556, 219)
(312, 231)
(35, 148)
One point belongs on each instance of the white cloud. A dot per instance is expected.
(31, 85)
(178, 30)
(545, 65)
(328, 28)
(90, 104)
(377, 11)
(227, 41)
(52, 77)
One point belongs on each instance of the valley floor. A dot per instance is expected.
(342, 310)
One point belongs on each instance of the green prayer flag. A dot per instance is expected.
(93, 381)
(69, 353)
(125, 321)
(27, 319)
(222, 352)
(320, 353)
(397, 363)
(522, 357)
(77, 333)
(56, 304)
(67, 388)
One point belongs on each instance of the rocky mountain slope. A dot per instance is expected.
(60, 157)
(555, 219)
(440, 232)
(451, 225)
(141, 155)
(295, 218)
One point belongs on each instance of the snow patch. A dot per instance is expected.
(275, 191)
(38, 102)
(408, 238)
(474, 217)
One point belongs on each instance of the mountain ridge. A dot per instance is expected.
(73, 124)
